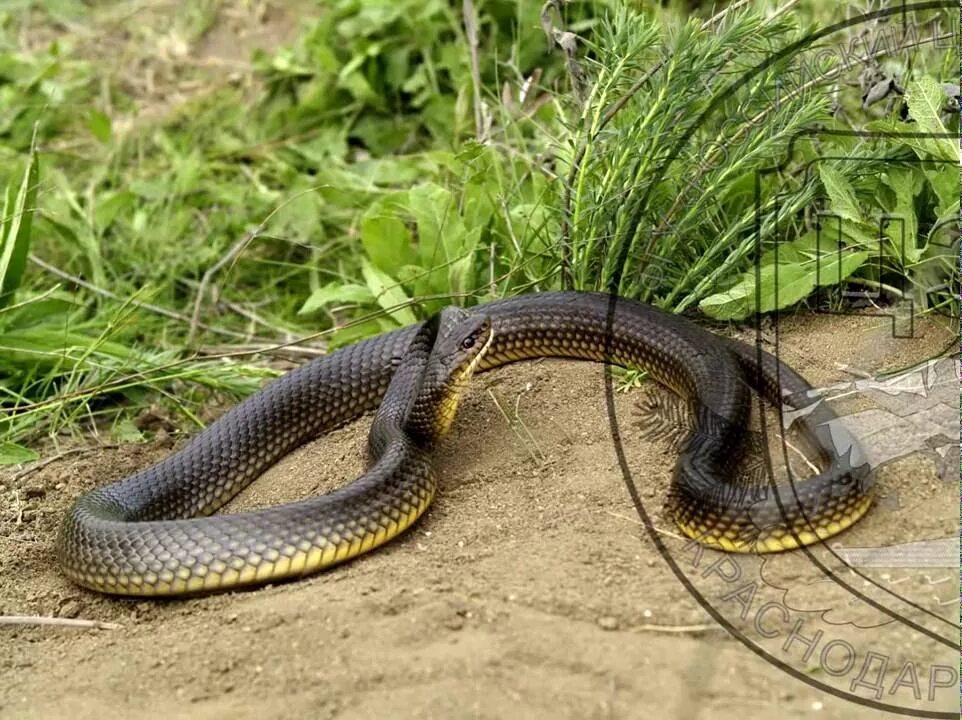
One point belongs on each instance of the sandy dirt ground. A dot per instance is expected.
(530, 588)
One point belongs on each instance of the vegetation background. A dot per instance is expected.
(186, 214)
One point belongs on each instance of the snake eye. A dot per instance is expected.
(467, 343)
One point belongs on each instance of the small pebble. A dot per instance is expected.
(608, 623)
(70, 609)
(455, 622)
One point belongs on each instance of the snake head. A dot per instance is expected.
(461, 342)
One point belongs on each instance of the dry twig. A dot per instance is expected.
(61, 622)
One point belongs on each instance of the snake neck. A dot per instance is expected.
(436, 404)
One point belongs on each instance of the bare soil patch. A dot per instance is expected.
(529, 589)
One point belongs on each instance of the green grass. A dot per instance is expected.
(193, 204)
(248, 183)
(673, 133)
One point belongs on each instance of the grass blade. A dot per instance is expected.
(15, 226)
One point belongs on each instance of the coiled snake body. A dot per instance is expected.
(141, 535)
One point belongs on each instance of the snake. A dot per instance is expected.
(154, 533)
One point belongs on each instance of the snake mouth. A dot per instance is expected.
(469, 369)
(448, 405)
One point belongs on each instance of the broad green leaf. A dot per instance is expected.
(430, 205)
(64, 230)
(796, 251)
(925, 99)
(944, 180)
(903, 228)
(438, 221)
(297, 216)
(409, 275)
(834, 231)
(336, 293)
(443, 242)
(386, 240)
(124, 430)
(388, 293)
(13, 454)
(840, 193)
(99, 125)
(360, 88)
(371, 17)
(110, 205)
(478, 208)
(382, 135)
(460, 274)
(925, 148)
(823, 243)
(15, 223)
(535, 223)
(187, 171)
(399, 170)
(858, 235)
(326, 143)
(782, 285)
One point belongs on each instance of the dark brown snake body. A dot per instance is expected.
(142, 535)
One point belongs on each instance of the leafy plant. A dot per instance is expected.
(451, 238)
(395, 74)
(16, 220)
(888, 223)
(162, 232)
(681, 184)
(666, 148)
(394, 157)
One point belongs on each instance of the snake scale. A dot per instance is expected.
(149, 534)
